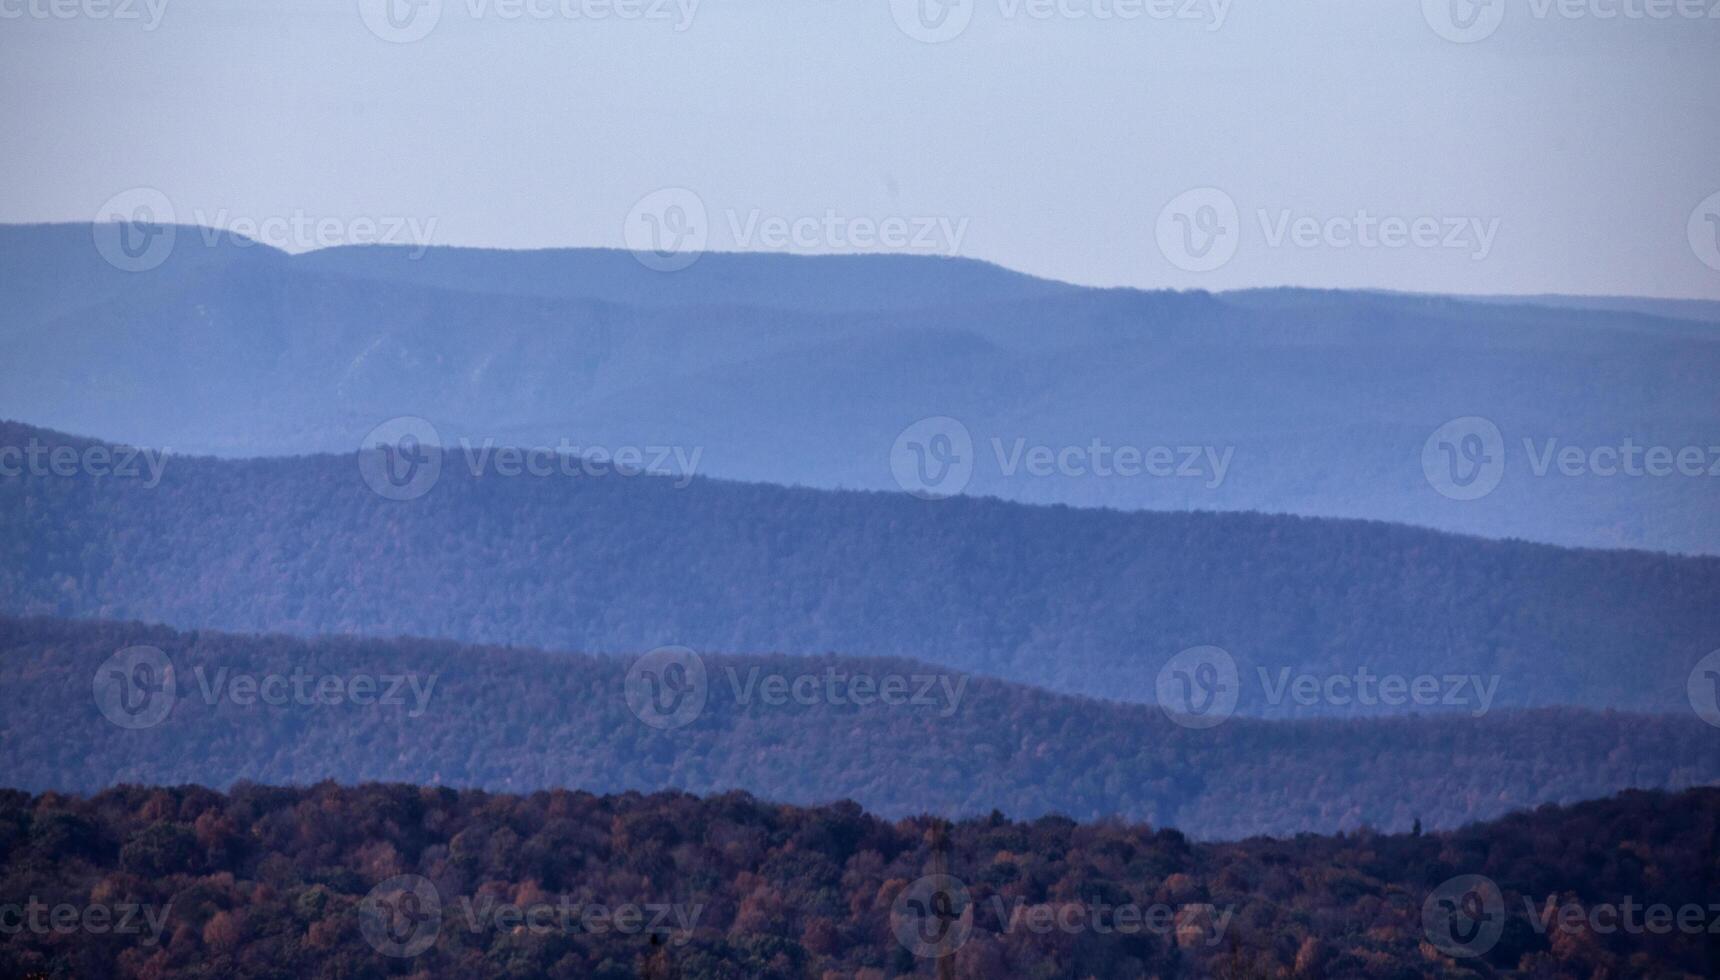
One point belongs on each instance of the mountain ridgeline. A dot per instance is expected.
(796, 729)
(804, 371)
(1091, 602)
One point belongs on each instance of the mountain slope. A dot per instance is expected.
(1083, 601)
(520, 721)
(804, 371)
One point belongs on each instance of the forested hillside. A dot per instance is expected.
(516, 720)
(1080, 601)
(803, 370)
(397, 880)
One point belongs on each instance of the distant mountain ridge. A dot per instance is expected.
(1089, 602)
(805, 370)
(521, 721)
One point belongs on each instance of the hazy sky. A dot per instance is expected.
(1564, 151)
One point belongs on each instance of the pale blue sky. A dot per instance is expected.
(1583, 147)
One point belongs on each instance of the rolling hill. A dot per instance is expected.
(1090, 602)
(518, 720)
